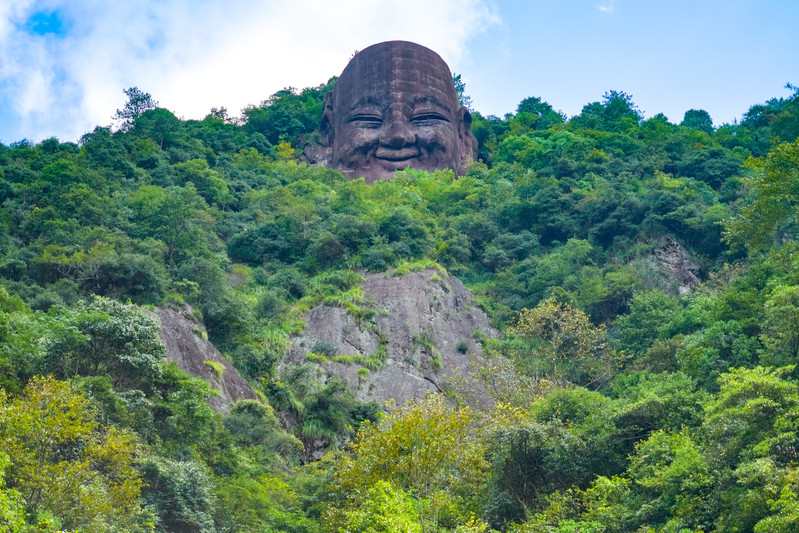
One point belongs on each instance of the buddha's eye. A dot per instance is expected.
(363, 120)
(428, 118)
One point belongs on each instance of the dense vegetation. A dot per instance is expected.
(624, 396)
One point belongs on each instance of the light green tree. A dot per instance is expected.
(12, 516)
(426, 448)
(573, 349)
(386, 509)
(63, 462)
(786, 507)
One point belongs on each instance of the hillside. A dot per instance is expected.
(604, 308)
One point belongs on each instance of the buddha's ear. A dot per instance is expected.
(326, 127)
(465, 119)
(468, 142)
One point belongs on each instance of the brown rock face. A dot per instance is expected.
(395, 107)
(185, 343)
(423, 330)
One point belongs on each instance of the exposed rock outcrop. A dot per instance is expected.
(422, 328)
(676, 263)
(187, 344)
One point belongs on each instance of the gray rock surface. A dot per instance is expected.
(186, 343)
(676, 263)
(425, 322)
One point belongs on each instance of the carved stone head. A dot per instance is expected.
(395, 107)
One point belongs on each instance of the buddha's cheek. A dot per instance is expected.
(437, 145)
(359, 146)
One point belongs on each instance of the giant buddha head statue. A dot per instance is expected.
(395, 107)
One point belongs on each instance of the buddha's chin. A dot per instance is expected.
(394, 165)
(382, 173)
(379, 170)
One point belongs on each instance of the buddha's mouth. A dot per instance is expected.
(403, 154)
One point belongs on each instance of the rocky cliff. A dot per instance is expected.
(187, 344)
(672, 267)
(414, 332)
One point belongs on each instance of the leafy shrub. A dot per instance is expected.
(325, 348)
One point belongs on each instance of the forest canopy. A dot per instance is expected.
(643, 275)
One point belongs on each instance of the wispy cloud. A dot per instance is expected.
(192, 55)
(607, 7)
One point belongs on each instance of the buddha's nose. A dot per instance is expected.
(397, 134)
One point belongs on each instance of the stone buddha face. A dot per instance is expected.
(394, 107)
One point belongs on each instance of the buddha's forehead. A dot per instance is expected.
(395, 71)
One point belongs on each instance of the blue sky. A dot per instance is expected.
(64, 63)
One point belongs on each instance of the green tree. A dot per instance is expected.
(181, 492)
(716, 348)
(253, 423)
(566, 439)
(460, 90)
(386, 509)
(573, 349)
(616, 112)
(750, 431)
(747, 410)
(105, 337)
(673, 481)
(138, 102)
(698, 119)
(208, 183)
(177, 216)
(425, 448)
(64, 462)
(619, 105)
(781, 326)
(786, 507)
(160, 125)
(287, 114)
(768, 215)
(12, 510)
(538, 112)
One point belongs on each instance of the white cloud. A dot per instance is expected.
(193, 55)
(607, 7)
